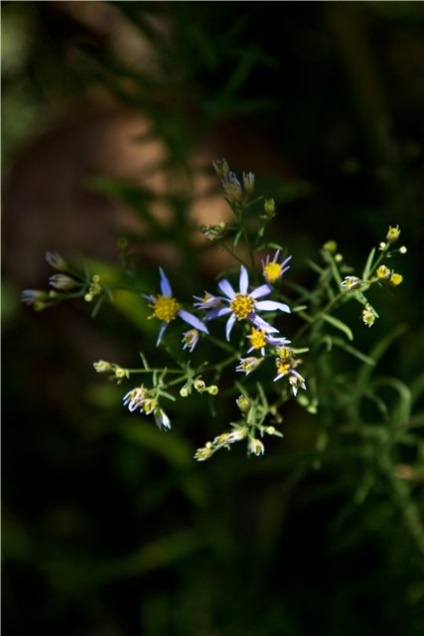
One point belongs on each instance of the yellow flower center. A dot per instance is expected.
(242, 306)
(257, 338)
(393, 234)
(165, 308)
(272, 271)
(383, 272)
(396, 279)
(283, 367)
(285, 354)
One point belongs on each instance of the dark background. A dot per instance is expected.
(111, 528)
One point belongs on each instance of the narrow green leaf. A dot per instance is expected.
(338, 324)
(368, 265)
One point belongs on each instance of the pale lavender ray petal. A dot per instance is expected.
(244, 280)
(192, 320)
(148, 297)
(262, 290)
(216, 313)
(161, 332)
(271, 305)
(226, 288)
(165, 286)
(276, 255)
(262, 324)
(230, 325)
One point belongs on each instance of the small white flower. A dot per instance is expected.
(161, 419)
(256, 447)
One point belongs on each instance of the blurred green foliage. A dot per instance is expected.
(109, 526)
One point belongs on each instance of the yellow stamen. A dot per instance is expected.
(242, 306)
(257, 338)
(283, 367)
(393, 234)
(396, 279)
(272, 271)
(383, 272)
(165, 308)
(285, 354)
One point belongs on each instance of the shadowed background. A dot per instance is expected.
(112, 115)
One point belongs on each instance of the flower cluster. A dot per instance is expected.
(241, 319)
(142, 399)
(375, 272)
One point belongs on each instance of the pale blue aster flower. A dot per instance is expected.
(244, 305)
(167, 308)
(247, 365)
(272, 270)
(208, 301)
(259, 338)
(190, 339)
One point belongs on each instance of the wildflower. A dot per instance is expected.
(237, 435)
(221, 167)
(243, 305)
(382, 246)
(395, 279)
(249, 182)
(121, 373)
(214, 232)
(403, 249)
(94, 290)
(351, 282)
(212, 389)
(62, 282)
(368, 316)
(149, 405)
(247, 365)
(393, 234)
(101, 366)
(35, 297)
(296, 381)
(208, 301)
(243, 403)
(135, 398)
(167, 308)
(272, 270)
(330, 246)
(199, 385)
(190, 339)
(56, 261)
(204, 453)
(269, 208)
(256, 447)
(383, 272)
(185, 390)
(338, 258)
(285, 366)
(232, 188)
(161, 419)
(225, 439)
(259, 338)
